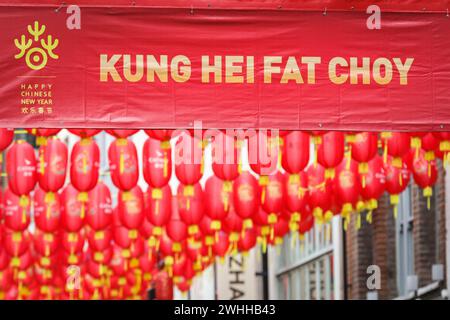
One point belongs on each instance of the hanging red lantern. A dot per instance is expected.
(347, 186)
(306, 223)
(176, 229)
(72, 213)
(160, 134)
(99, 240)
(21, 171)
(397, 180)
(159, 208)
(131, 209)
(157, 162)
(247, 240)
(331, 152)
(281, 228)
(375, 184)
(17, 214)
(221, 245)
(51, 173)
(190, 206)
(15, 244)
(429, 144)
(320, 190)
(272, 194)
(217, 201)
(122, 133)
(425, 174)
(45, 244)
(99, 211)
(73, 244)
(246, 197)
(225, 157)
(295, 151)
(296, 194)
(6, 137)
(123, 164)
(444, 145)
(84, 168)
(364, 147)
(189, 159)
(46, 214)
(396, 145)
(263, 152)
(233, 225)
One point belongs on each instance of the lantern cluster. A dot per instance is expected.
(65, 233)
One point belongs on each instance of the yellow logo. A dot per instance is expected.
(36, 50)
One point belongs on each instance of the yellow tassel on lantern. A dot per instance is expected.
(24, 202)
(176, 247)
(394, 201)
(329, 173)
(133, 234)
(416, 144)
(157, 231)
(193, 230)
(263, 182)
(41, 163)
(427, 193)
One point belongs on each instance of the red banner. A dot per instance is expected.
(161, 67)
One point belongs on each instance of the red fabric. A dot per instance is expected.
(80, 99)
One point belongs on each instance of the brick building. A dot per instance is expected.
(403, 247)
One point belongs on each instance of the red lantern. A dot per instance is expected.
(52, 166)
(16, 244)
(306, 222)
(73, 243)
(176, 229)
(320, 190)
(233, 225)
(425, 175)
(99, 213)
(364, 147)
(160, 134)
(217, 200)
(397, 180)
(85, 133)
(247, 240)
(246, 197)
(123, 164)
(72, 212)
(189, 159)
(84, 168)
(159, 207)
(190, 206)
(429, 144)
(375, 184)
(221, 246)
(296, 196)
(444, 145)
(331, 152)
(347, 186)
(131, 209)
(281, 228)
(263, 150)
(295, 152)
(122, 133)
(395, 144)
(45, 244)
(272, 195)
(21, 170)
(17, 214)
(6, 137)
(99, 240)
(225, 157)
(46, 213)
(157, 162)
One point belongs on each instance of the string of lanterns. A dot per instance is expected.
(116, 251)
